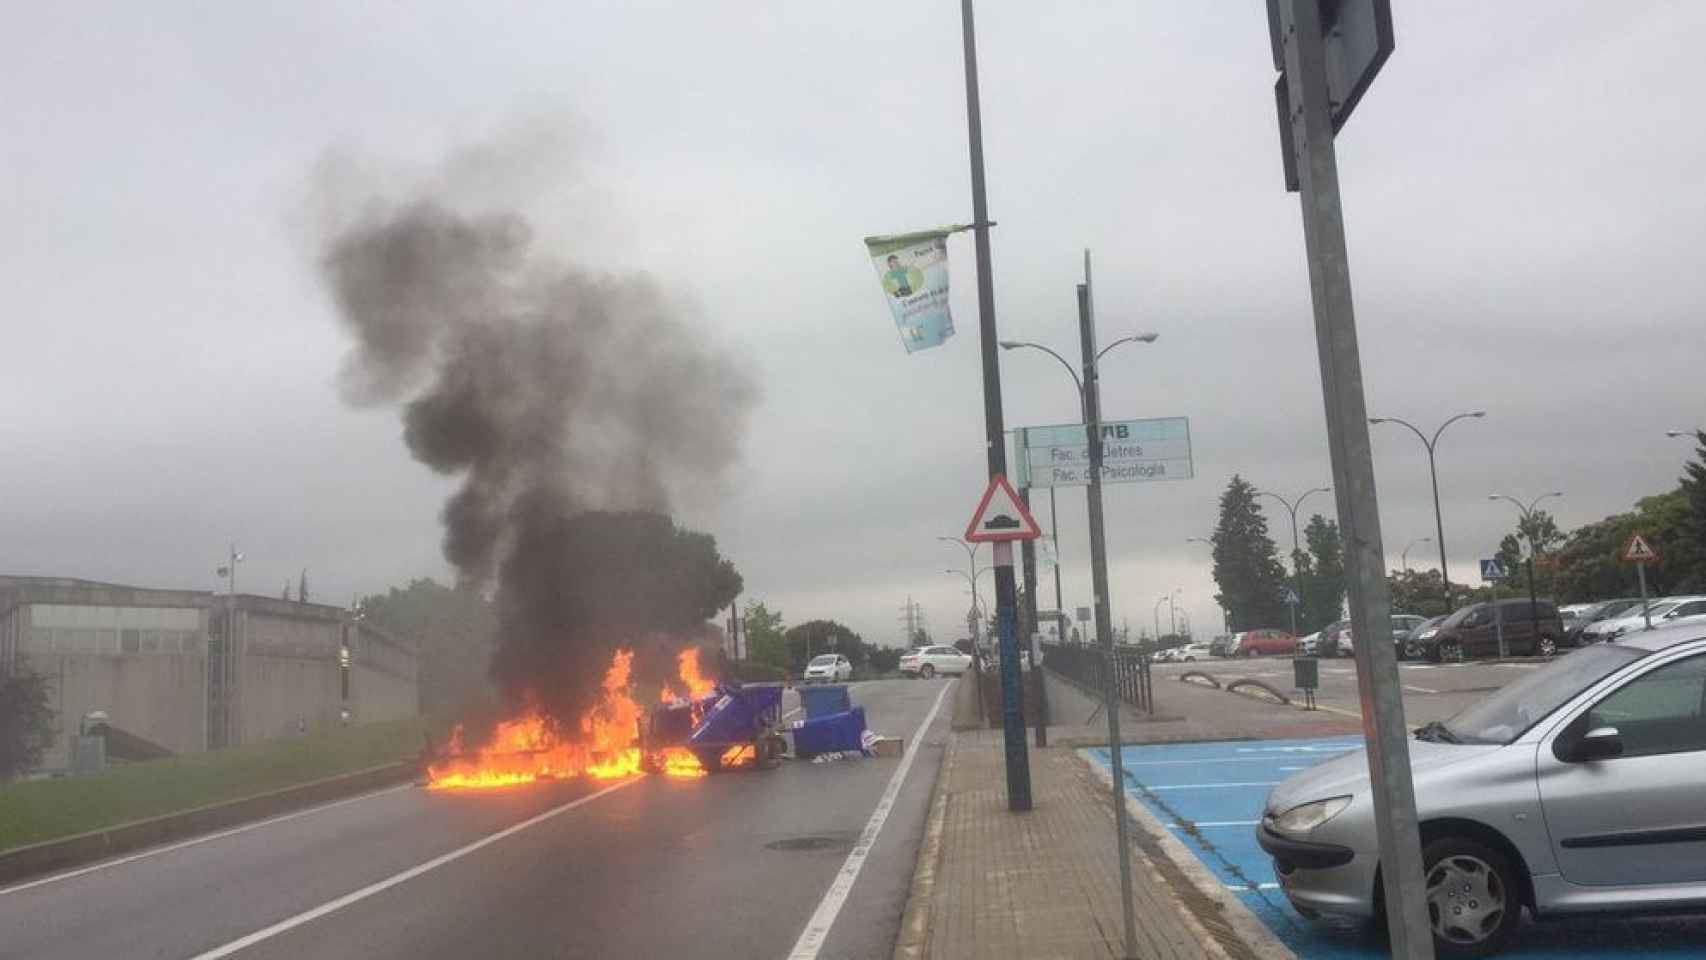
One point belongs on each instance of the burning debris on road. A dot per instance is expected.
(566, 400)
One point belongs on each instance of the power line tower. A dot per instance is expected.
(912, 614)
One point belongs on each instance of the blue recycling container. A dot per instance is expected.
(825, 699)
(828, 734)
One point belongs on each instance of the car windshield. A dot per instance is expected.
(1508, 714)
(824, 661)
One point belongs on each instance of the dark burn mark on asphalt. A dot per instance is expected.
(829, 842)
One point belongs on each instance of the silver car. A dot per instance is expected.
(1580, 788)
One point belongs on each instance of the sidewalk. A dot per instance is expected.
(1045, 884)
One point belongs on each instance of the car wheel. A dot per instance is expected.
(1451, 651)
(1547, 647)
(927, 671)
(1412, 650)
(1472, 895)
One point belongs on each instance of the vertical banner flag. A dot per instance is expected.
(913, 270)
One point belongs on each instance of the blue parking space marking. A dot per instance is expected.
(1210, 796)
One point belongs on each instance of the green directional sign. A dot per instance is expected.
(1133, 451)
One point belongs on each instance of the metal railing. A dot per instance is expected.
(1085, 665)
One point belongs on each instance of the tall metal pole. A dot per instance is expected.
(1092, 402)
(995, 439)
(1384, 732)
(1439, 530)
(1028, 557)
(1054, 538)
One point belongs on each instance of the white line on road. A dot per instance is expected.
(1214, 786)
(823, 918)
(1192, 763)
(1245, 887)
(156, 851)
(1415, 689)
(306, 916)
(1216, 823)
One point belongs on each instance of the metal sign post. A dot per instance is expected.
(1310, 115)
(995, 435)
(1492, 571)
(1639, 552)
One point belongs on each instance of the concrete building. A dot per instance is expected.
(191, 670)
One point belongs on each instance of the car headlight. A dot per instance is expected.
(1428, 634)
(1307, 816)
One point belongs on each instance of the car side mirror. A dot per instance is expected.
(1600, 743)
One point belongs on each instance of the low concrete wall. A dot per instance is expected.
(23, 863)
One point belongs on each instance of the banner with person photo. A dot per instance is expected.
(913, 271)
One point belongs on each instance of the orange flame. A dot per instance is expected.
(530, 748)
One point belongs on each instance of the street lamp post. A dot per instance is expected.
(1296, 551)
(971, 578)
(1157, 612)
(1173, 612)
(1433, 475)
(1404, 555)
(1527, 530)
(1090, 404)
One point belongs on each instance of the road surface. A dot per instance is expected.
(731, 865)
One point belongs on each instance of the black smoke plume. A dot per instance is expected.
(559, 395)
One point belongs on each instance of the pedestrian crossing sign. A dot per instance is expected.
(1492, 569)
(1638, 550)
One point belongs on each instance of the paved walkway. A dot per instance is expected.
(1045, 884)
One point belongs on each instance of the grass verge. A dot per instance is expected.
(36, 810)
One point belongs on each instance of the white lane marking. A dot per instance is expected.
(1216, 823)
(1323, 748)
(306, 916)
(1192, 763)
(1245, 887)
(823, 918)
(156, 851)
(1213, 786)
(1415, 689)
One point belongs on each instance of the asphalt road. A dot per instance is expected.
(1432, 691)
(731, 865)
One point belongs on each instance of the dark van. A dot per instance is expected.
(1472, 632)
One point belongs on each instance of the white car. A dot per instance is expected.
(1663, 613)
(1191, 653)
(1346, 646)
(828, 668)
(927, 662)
(1306, 647)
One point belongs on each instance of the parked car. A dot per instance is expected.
(1266, 642)
(1402, 624)
(1575, 789)
(927, 662)
(1167, 655)
(1663, 611)
(1575, 633)
(1192, 652)
(1306, 646)
(828, 668)
(1223, 646)
(1414, 640)
(1344, 643)
(1473, 632)
(1330, 637)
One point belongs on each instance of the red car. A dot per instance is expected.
(1266, 643)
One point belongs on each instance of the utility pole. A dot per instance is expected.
(1028, 558)
(1099, 585)
(1054, 544)
(995, 439)
(1309, 118)
(1291, 507)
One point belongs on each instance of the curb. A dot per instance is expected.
(23, 863)
(1249, 936)
(913, 939)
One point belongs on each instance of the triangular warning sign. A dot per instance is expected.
(1638, 550)
(1000, 516)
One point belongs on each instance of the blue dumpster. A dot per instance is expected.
(825, 699)
(829, 734)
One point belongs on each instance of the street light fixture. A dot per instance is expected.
(1404, 555)
(1433, 474)
(1296, 570)
(1527, 530)
(1685, 434)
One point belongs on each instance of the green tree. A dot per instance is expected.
(1323, 575)
(456, 630)
(1691, 539)
(1246, 566)
(1421, 592)
(815, 637)
(765, 642)
(1590, 564)
(26, 723)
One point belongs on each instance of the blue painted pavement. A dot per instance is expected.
(1211, 796)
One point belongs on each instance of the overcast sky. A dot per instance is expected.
(1523, 198)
